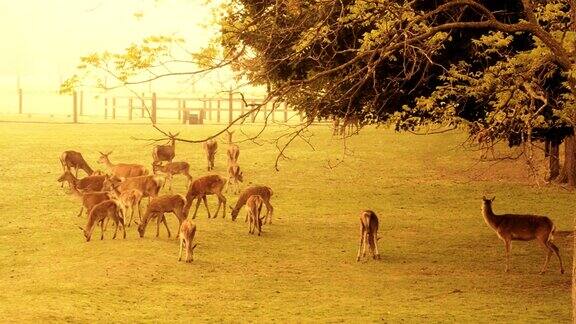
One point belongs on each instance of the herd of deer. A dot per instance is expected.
(109, 197)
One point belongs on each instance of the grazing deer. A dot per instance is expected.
(235, 176)
(122, 170)
(131, 198)
(206, 185)
(186, 236)
(264, 192)
(253, 209)
(368, 234)
(149, 185)
(167, 152)
(210, 147)
(158, 207)
(108, 209)
(90, 199)
(233, 151)
(73, 159)
(173, 168)
(89, 183)
(515, 227)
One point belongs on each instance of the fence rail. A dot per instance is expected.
(187, 110)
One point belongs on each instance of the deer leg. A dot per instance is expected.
(361, 242)
(508, 245)
(269, 212)
(221, 200)
(139, 211)
(102, 228)
(180, 253)
(205, 200)
(80, 213)
(557, 252)
(197, 205)
(365, 243)
(158, 220)
(188, 254)
(166, 225)
(123, 228)
(131, 215)
(377, 254)
(115, 229)
(170, 179)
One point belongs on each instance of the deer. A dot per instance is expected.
(173, 168)
(108, 209)
(90, 199)
(522, 227)
(149, 185)
(122, 170)
(186, 236)
(161, 153)
(130, 198)
(368, 234)
(203, 186)
(233, 151)
(210, 146)
(86, 184)
(73, 159)
(264, 192)
(235, 176)
(156, 209)
(253, 209)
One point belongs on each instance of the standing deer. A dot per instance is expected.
(173, 168)
(235, 176)
(122, 170)
(253, 209)
(73, 159)
(515, 227)
(368, 234)
(89, 199)
(186, 236)
(233, 151)
(206, 185)
(89, 183)
(161, 153)
(108, 209)
(130, 198)
(210, 147)
(149, 185)
(264, 192)
(158, 207)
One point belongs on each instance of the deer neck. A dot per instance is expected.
(489, 217)
(75, 192)
(108, 163)
(87, 168)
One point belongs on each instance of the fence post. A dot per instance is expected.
(285, 112)
(105, 108)
(153, 108)
(81, 103)
(179, 104)
(242, 107)
(265, 106)
(230, 106)
(143, 105)
(274, 107)
(113, 108)
(75, 107)
(130, 108)
(254, 113)
(218, 111)
(210, 109)
(20, 110)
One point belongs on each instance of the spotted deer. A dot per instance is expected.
(368, 234)
(264, 192)
(203, 186)
(186, 236)
(522, 227)
(210, 147)
(108, 209)
(122, 170)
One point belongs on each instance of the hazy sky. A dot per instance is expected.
(42, 40)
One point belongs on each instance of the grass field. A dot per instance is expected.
(440, 262)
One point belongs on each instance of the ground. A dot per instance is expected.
(440, 262)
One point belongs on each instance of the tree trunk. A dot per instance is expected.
(568, 173)
(554, 158)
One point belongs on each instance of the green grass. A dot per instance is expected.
(440, 262)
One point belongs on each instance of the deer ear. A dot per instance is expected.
(484, 198)
(194, 246)
(493, 198)
(109, 153)
(101, 153)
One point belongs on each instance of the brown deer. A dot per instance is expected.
(161, 153)
(129, 199)
(203, 186)
(149, 185)
(173, 168)
(515, 227)
(186, 236)
(89, 183)
(368, 234)
(233, 151)
(158, 207)
(90, 199)
(73, 159)
(264, 192)
(108, 209)
(122, 170)
(210, 146)
(253, 209)
(235, 176)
